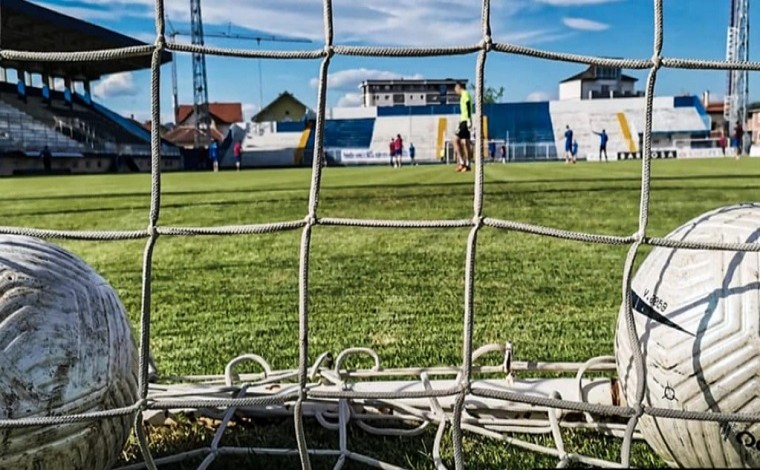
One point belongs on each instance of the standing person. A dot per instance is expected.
(411, 153)
(603, 138)
(738, 139)
(237, 151)
(575, 150)
(722, 143)
(503, 153)
(392, 152)
(399, 144)
(213, 154)
(47, 159)
(568, 144)
(463, 137)
(492, 150)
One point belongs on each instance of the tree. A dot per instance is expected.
(490, 95)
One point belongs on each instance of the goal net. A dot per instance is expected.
(488, 393)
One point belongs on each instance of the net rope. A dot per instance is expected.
(304, 388)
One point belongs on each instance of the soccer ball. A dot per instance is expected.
(65, 348)
(697, 317)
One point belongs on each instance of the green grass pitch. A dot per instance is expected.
(400, 292)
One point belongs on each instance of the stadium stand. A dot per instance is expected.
(81, 134)
(623, 119)
(532, 130)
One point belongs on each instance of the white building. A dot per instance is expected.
(598, 82)
(403, 92)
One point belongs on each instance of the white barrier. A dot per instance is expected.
(369, 157)
(702, 153)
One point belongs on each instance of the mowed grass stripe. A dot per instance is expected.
(400, 292)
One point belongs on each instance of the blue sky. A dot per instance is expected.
(617, 28)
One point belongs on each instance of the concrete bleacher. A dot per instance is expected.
(349, 133)
(75, 125)
(624, 120)
(28, 134)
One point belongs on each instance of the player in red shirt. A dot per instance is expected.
(237, 151)
(399, 146)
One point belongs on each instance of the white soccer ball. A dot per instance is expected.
(65, 348)
(697, 316)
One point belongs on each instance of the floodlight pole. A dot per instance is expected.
(200, 80)
(737, 49)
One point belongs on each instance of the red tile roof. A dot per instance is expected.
(715, 107)
(225, 113)
(185, 136)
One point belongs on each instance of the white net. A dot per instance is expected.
(336, 397)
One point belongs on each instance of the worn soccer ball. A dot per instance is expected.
(697, 317)
(65, 348)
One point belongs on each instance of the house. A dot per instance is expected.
(223, 116)
(597, 82)
(753, 122)
(715, 111)
(285, 107)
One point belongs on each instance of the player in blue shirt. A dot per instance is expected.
(492, 150)
(603, 138)
(575, 150)
(411, 153)
(213, 154)
(569, 145)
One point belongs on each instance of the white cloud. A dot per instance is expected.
(351, 78)
(390, 22)
(118, 84)
(573, 3)
(583, 24)
(350, 100)
(249, 110)
(538, 96)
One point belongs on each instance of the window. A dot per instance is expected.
(607, 72)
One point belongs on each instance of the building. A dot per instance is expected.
(715, 111)
(223, 116)
(753, 122)
(48, 104)
(403, 92)
(285, 107)
(597, 82)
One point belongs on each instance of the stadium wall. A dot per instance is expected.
(20, 164)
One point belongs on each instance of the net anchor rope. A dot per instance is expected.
(303, 390)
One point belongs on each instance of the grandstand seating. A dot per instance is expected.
(418, 129)
(620, 117)
(26, 133)
(270, 141)
(75, 126)
(349, 133)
